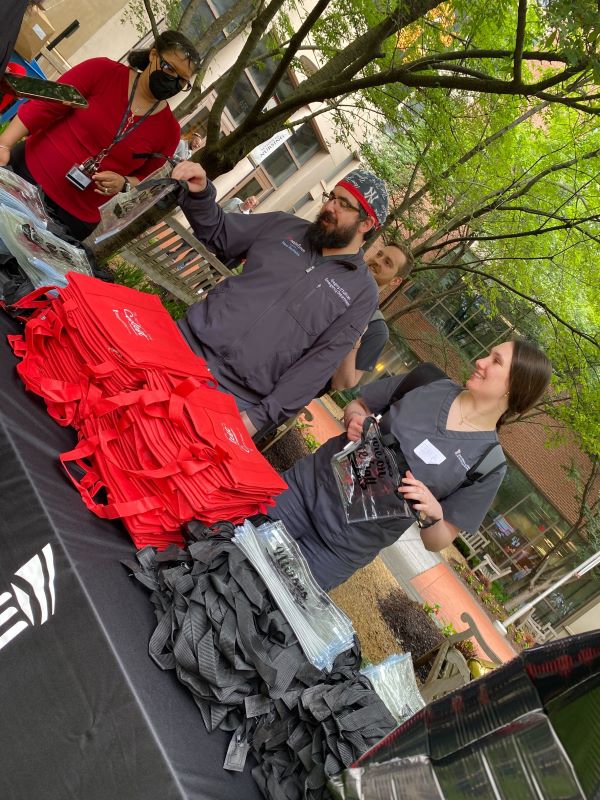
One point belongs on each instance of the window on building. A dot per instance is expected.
(304, 143)
(202, 18)
(242, 99)
(205, 13)
(290, 156)
(280, 165)
(198, 123)
(257, 185)
(262, 71)
(522, 525)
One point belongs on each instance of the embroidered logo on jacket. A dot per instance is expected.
(458, 454)
(339, 290)
(293, 246)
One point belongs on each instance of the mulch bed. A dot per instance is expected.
(359, 598)
(289, 449)
(414, 629)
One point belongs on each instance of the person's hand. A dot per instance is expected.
(193, 173)
(354, 425)
(422, 499)
(248, 423)
(108, 183)
(4, 155)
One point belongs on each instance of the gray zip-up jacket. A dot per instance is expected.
(275, 334)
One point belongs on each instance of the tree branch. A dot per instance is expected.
(519, 40)
(464, 268)
(289, 55)
(259, 26)
(517, 189)
(519, 235)
(153, 25)
(478, 148)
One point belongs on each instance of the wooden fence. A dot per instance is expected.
(172, 257)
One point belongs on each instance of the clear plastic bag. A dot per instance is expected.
(123, 208)
(20, 195)
(367, 474)
(323, 630)
(44, 257)
(394, 681)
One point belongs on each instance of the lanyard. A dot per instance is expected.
(125, 127)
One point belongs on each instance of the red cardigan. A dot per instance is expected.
(61, 136)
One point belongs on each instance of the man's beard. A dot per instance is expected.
(336, 238)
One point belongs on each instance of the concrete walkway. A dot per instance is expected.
(422, 575)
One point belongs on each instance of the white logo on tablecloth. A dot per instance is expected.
(34, 581)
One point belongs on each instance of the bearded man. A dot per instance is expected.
(273, 335)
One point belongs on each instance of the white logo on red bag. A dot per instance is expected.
(131, 322)
(34, 581)
(235, 437)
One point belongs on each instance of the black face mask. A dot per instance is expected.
(163, 86)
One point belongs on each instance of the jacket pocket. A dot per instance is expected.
(317, 310)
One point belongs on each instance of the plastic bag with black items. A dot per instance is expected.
(368, 474)
(19, 195)
(323, 630)
(44, 257)
(124, 208)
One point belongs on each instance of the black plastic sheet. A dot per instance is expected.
(86, 714)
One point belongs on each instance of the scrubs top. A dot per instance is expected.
(311, 508)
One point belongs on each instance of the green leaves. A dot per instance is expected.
(515, 189)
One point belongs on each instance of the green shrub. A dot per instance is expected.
(462, 547)
(309, 440)
(499, 592)
(466, 648)
(431, 610)
(127, 274)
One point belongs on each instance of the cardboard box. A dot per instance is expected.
(36, 31)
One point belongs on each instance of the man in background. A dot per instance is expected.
(390, 265)
(239, 206)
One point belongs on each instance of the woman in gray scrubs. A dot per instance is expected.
(443, 429)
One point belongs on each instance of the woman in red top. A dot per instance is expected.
(82, 156)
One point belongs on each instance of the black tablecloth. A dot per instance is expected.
(86, 714)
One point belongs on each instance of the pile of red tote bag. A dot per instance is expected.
(159, 444)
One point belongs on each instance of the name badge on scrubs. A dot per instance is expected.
(429, 453)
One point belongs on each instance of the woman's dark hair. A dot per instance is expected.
(167, 42)
(530, 373)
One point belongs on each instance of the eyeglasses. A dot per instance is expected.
(342, 202)
(183, 84)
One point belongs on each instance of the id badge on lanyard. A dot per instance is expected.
(81, 175)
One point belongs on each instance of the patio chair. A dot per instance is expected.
(450, 669)
(540, 632)
(476, 542)
(490, 570)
